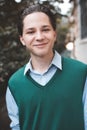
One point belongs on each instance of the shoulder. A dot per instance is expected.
(17, 75)
(74, 66)
(73, 62)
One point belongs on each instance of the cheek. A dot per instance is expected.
(53, 39)
(27, 40)
(53, 36)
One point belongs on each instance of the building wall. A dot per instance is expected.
(80, 44)
(81, 50)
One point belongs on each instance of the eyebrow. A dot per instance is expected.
(44, 26)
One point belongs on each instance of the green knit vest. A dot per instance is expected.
(55, 106)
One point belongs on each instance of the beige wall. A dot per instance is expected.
(80, 46)
(81, 50)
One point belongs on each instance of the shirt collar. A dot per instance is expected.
(56, 62)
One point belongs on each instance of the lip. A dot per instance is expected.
(40, 45)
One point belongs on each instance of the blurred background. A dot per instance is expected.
(71, 41)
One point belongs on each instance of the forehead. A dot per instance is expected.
(35, 18)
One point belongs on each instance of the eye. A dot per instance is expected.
(30, 32)
(46, 30)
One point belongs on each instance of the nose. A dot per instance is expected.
(39, 36)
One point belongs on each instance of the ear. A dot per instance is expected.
(55, 35)
(22, 40)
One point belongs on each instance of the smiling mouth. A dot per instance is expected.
(41, 45)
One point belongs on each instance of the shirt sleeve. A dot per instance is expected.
(12, 110)
(85, 104)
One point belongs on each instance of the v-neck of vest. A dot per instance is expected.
(51, 81)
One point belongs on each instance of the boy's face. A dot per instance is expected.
(38, 34)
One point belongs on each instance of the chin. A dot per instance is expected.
(40, 54)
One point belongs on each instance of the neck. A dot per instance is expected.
(41, 64)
